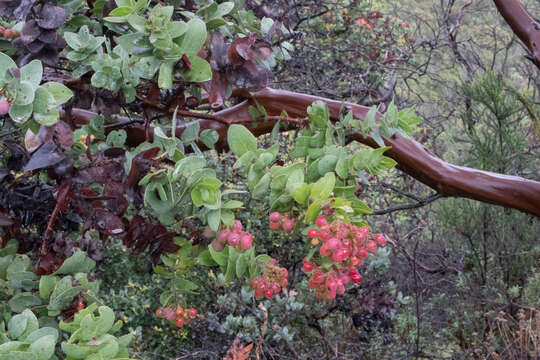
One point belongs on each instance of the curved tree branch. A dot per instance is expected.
(412, 157)
(523, 25)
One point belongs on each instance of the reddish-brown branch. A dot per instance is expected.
(523, 25)
(412, 157)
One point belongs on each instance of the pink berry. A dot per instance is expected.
(259, 293)
(276, 288)
(371, 246)
(237, 225)
(380, 239)
(321, 221)
(274, 225)
(313, 233)
(8, 33)
(325, 235)
(234, 239)
(4, 106)
(275, 216)
(324, 250)
(332, 243)
(223, 235)
(192, 312)
(363, 253)
(246, 240)
(288, 225)
(332, 284)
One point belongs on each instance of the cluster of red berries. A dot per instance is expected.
(178, 316)
(273, 279)
(235, 237)
(345, 245)
(281, 221)
(4, 106)
(9, 33)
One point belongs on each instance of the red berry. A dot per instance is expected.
(288, 225)
(355, 277)
(179, 311)
(274, 225)
(192, 312)
(159, 313)
(275, 216)
(179, 321)
(313, 233)
(4, 106)
(259, 293)
(308, 266)
(321, 221)
(268, 293)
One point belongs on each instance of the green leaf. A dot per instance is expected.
(209, 137)
(241, 265)
(72, 39)
(44, 331)
(295, 180)
(120, 11)
(194, 38)
(206, 192)
(32, 73)
(60, 92)
(261, 189)
(6, 63)
(17, 325)
(200, 70)
(186, 286)
(136, 44)
(205, 258)
(302, 193)
(232, 204)
(165, 78)
(24, 300)
(214, 219)
(25, 93)
(46, 285)
(43, 347)
(324, 186)
(318, 114)
(219, 257)
(313, 211)
(191, 133)
(327, 164)
(76, 263)
(241, 140)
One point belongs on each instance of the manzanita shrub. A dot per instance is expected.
(162, 195)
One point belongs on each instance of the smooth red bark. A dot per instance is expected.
(412, 157)
(523, 25)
